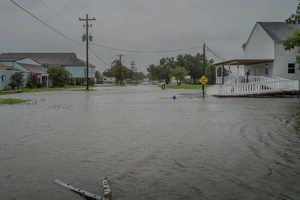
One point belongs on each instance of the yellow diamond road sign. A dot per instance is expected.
(203, 80)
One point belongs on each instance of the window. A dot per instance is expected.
(291, 68)
(3, 78)
(266, 69)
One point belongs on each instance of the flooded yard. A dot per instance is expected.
(149, 145)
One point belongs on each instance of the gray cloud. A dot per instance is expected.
(138, 24)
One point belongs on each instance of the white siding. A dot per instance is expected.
(260, 45)
(282, 59)
(260, 70)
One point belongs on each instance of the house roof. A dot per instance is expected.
(46, 58)
(244, 62)
(4, 67)
(279, 31)
(36, 69)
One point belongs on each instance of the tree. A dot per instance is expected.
(32, 81)
(179, 73)
(59, 75)
(97, 75)
(108, 73)
(293, 41)
(193, 64)
(16, 80)
(118, 71)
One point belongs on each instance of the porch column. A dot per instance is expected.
(238, 73)
(217, 74)
(222, 74)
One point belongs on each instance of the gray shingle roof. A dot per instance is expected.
(36, 69)
(279, 31)
(46, 58)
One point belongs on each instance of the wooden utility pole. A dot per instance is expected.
(132, 63)
(121, 74)
(203, 68)
(86, 38)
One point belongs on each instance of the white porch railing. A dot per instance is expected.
(264, 86)
(219, 79)
(250, 79)
(228, 80)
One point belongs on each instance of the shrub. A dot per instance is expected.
(13, 84)
(39, 85)
(29, 85)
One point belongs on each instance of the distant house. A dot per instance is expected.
(27, 66)
(68, 61)
(268, 67)
(5, 74)
(109, 80)
(187, 80)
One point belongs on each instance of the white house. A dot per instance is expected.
(270, 68)
(109, 80)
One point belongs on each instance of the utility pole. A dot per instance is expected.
(121, 73)
(87, 38)
(133, 69)
(132, 63)
(203, 68)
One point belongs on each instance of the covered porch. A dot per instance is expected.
(245, 69)
(252, 77)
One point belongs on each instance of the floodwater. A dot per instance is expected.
(149, 145)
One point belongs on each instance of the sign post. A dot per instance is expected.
(203, 80)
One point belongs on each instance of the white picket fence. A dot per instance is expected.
(256, 85)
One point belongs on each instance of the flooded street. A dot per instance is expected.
(149, 145)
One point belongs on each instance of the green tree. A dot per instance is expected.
(16, 80)
(293, 41)
(210, 72)
(59, 75)
(97, 75)
(179, 73)
(118, 71)
(108, 73)
(193, 64)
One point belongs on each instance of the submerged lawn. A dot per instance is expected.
(187, 87)
(11, 101)
(27, 90)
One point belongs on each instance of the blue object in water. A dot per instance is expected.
(174, 97)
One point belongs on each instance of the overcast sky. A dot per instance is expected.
(224, 25)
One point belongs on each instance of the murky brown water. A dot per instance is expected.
(150, 146)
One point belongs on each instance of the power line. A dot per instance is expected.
(55, 12)
(215, 54)
(81, 5)
(99, 57)
(69, 10)
(46, 23)
(145, 51)
(58, 31)
(74, 2)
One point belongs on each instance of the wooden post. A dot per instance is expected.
(297, 94)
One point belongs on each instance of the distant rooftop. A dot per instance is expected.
(36, 69)
(279, 31)
(45, 58)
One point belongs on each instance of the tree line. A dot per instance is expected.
(181, 66)
(121, 72)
